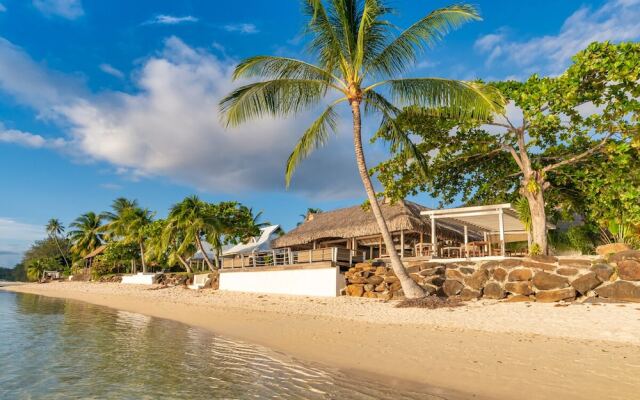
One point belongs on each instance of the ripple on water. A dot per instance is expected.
(58, 349)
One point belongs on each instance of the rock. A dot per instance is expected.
(538, 265)
(432, 271)
(629, 270)
(604, 271)
(391, 279)
(566, 271)
(499, 274)
(493, 290)
(467, 270)
(381, 271)
(586, 282)
(364, 266)
(413, 270)
(520, 274)
(507, 263)
(416, 278)
(612, 248)
(375, 279)
(454, 274)
(429, 289)
(519, 299)
(547, 281)
(620, 290)
(370, 295)
(434, 280)
(369, 287)
(452, 287)
(357, 280)
(477, 280)
(355, 290)
(381, 287)
(395, 286)
(625, 255)
(551, 296)
(468, 294)
(523, 287)
(575, 262)
(544, 259)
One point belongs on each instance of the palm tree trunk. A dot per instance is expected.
(185, 264)
(204, 254)
(55, 239)
(410, 288)
(144, 264)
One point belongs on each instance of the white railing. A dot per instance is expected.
(279, 257)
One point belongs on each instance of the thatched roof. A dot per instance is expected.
(99, 250)
(355, 222)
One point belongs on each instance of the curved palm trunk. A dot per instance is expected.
(185, 264)
(144, 264)
(410, 288)
(204, 254)
(55, 239)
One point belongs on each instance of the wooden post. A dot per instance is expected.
(380, 250)
(466, 238)
(401, 243)
(434, 240)
(501, 223)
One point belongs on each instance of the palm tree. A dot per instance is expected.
(87, 233)
(358, 56)
(132, 225)
(115, 226)
(193, 217)
(172, 242)
(305, 216)
(55, 229)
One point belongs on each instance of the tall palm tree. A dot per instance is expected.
(86, 234)
(115, 226)
(55, 229)
(358, 56)
(195, 219)
(172, 242)
(306, 215)
(132, 225)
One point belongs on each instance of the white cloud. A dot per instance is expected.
(170, 126)
(69, 9)
(15, 239)
(30, 140)
(111, 70)
(244, 28)
(170, 20)
(616, 20)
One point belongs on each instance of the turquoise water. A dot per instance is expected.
(60, 349)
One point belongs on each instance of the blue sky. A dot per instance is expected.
(101, 99)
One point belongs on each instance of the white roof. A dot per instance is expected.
(257, 243)
(484, 218)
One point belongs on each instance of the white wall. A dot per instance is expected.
(325, 282)
(138, 279)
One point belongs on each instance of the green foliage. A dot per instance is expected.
(87, 233)
(47, 249)
(36, 267)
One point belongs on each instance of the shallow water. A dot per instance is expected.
(62, 349)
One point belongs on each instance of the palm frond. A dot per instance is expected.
(371, 32)
(315, 136)
(454, 98)
(325, 40)
(401, 53)
(277, 98)
(271, 67)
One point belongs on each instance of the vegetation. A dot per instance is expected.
(573, 151)
(360, 57)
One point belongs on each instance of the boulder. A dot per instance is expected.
(355, 290)
(544, 259)
(432, 271)
(520, 274)
(454, 274)
(604, 271)
(381, 287)
(468, 294)
(467, 270)
(391, 279)
(620, 290)
(508, 263)
(551, 296)
(523, 287)
(574, 262)
(369, 287)
(519, 299)
(370, 295)
(364, 266)
(629, 270)
(375, 279)
(357, 280)
(612, 248)
(586, 282)
(452, 287)
(625, 255)
(429, 289)
(395, 286)
(412, 270)
(547, 281)
(499, 274)
(493, 290)
(477, 280)
(381, 271)
(566, 271)
(539, 265)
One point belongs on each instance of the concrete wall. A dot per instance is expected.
(139, 279)
(324, 282)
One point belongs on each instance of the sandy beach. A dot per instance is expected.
(481, 350)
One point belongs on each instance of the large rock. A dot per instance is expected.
(539, 265)
(574, 262)
(544, 259)
(547, 281)
(612, 248)
(454, 274)
(586, 282)
(551, 296)
(381, 270)
(434, 280)
(429, 289)
(519, 299)
(499, 274)
(391, 279)
(522, 287)
(395, 286)
(439, 270)
(369, 287)
(493, 290)
(625, 255)
(375, 279)
(412, 270)
(467, 270)
(567, 271)
(520, 274)
(604, 271)
(620, 290)
(469, 294)
(357, 280)
(629, 270)
(355, 290)
(477, 280)
(507, 263)
(452, 287)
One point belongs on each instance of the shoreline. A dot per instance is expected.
(483, 349)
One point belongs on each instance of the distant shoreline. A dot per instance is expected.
(11, 283)
(488, 350)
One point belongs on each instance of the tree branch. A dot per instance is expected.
(578, 157)
(514, 154)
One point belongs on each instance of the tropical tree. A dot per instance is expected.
(306, 215)
(116, 226)
(86, 234)
(167, 242)
(359, 56)
(55, 229)
(132, 227)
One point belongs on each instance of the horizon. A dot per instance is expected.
(99, 101)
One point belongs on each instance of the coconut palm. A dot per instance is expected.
(172, 243)
(131, 226)
(55, 229)
(306, 215)
(115, 227)
(86, 234)
(359, 55)
(193, 217)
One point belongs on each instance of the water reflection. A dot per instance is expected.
(54, 349)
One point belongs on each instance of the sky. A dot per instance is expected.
(103, 99)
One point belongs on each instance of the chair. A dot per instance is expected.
(423, 249)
